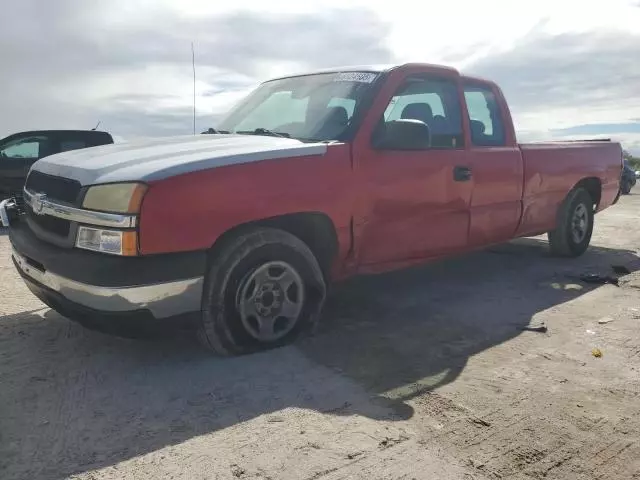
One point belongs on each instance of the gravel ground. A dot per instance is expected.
(422, 374)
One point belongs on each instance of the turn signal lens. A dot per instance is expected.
(114, 242)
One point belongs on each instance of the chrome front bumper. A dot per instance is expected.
(4, 216)
(162, 300)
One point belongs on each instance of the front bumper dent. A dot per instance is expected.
(161, 299)
(86, 286)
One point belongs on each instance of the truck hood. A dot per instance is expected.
(149, 160)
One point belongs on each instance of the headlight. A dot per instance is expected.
(115, 197)
(115, 242)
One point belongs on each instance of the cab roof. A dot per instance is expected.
(384, 68)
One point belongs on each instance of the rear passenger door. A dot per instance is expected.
(417, 201)
(497, 165)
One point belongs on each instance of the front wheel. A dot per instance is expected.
(264, 288)
(572, 234)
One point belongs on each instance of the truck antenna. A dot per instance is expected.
(193, 65)
(97, 125)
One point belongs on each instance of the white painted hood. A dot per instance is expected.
(155, 159)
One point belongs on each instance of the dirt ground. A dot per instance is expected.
(421, 374)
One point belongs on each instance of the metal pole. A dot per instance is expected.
(193, 65)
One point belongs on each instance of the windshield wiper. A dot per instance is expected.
(264, 131)
(213, 131)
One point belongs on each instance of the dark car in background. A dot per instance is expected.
(628, 179)
(21, 150)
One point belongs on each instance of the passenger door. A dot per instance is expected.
(497, 165)
(414, 203)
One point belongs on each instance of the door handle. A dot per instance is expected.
(461, 173)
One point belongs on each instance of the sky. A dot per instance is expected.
(569, 69)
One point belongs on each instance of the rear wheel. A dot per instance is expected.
(264, 289)
(572, 234)
(625, 187)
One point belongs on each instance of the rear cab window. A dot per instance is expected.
(485, 117)
(66, 145)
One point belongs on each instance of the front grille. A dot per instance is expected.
(56, 188)
(54, 225)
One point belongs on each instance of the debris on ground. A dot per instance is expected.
(620, 269)
(565, 286)
(237, 471)
(390, 442)
(309, 446)
(480, 422)
(605, 320)
(596, 352)
(599, 279)
(476, 463)
(542, 328)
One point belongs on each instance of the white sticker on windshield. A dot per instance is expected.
(362, 77)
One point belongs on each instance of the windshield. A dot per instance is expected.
(313, 107)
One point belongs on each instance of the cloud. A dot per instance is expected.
(583, 70)
(74, 62)
(555, 82)
(70, 63)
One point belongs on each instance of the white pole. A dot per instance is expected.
(193, 65)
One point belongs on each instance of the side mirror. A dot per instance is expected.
(404, 134)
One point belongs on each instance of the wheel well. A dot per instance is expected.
(593, 186)
(313, 228)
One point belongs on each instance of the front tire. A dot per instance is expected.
(264, 288)
(572, 234)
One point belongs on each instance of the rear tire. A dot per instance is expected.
(625, 188)
(574, 228)
(264, 288)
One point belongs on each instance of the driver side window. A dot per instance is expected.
(433, 101)
(27, 148)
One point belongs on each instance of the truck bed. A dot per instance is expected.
(553, 168)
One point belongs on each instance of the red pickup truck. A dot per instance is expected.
(311, 178)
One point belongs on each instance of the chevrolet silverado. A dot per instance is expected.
(310, 179)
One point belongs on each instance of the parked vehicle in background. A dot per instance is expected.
(18, 152)
(310, 179)
(628, 179)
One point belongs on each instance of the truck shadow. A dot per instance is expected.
(74, 400)
(405, 333)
